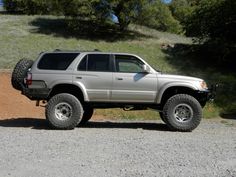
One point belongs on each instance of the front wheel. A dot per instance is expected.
(64, 111)
(182, 112)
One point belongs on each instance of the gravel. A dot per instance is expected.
(147, 148)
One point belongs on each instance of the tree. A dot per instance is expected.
(157, 15)
(213, 22)
(126, 11)
(32, 7)
(213, 19)
(181, 9)
(100, 10)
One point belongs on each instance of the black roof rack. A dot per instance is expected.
(59, 50)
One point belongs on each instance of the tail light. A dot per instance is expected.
(28, 79)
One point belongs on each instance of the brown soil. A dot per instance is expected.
(15, 105)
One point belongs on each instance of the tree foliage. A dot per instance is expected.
(100, 11)
(126, 11)
(181, 9)
(213, 19)
(32, 7)
(157, 15)
(214, 22)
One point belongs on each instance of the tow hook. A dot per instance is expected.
(43, 103)
(37, 103)
(128, 108)
(213, 92)
(133, 108)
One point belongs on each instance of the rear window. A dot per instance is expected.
(56, 61)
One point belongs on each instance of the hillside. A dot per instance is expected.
(26, 36)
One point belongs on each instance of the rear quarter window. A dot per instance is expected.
(56, 61)
(95, 62)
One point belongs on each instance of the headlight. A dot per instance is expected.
(203, 85)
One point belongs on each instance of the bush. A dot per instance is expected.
(158, 16)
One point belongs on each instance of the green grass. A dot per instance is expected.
(128, 115)
(26, 36)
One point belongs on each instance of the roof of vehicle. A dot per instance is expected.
(93, 51)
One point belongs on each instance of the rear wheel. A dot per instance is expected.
(162, 117)
(19, 73)
(88, 113)
(182, 112)
(64, 111)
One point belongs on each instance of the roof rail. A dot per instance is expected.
(59, 50)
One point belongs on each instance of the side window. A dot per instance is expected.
(95, 62)
(83, 64)
(56, 61)
(128, 64)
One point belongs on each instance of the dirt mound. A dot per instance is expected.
(13, 104)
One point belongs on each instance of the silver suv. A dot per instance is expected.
(74, 83)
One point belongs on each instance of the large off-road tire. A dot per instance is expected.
(19, 73)
(182, 112)
(88, 113)
(64, 111)
(162, 117)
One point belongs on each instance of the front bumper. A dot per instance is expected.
(212, 92)
(206, 95)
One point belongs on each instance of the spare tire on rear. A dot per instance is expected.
(19, 73)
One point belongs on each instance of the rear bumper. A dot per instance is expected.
(36, 94)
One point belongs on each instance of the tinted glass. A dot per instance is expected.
(128, 64)
(98, 62)
(56, 61)
(83, 64)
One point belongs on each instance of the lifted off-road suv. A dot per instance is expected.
(74, 83)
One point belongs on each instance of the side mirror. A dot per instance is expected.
(146, 69)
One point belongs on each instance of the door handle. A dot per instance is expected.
(119, 79)
(78, 77)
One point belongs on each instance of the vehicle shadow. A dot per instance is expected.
(41, 124)
(127, 125)
(229, 116)
(34, 123)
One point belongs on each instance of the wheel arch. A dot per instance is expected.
(173, 90)
(75, 90)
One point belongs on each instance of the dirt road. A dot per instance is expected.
(134, 149)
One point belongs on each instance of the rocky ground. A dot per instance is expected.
(116, 148)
